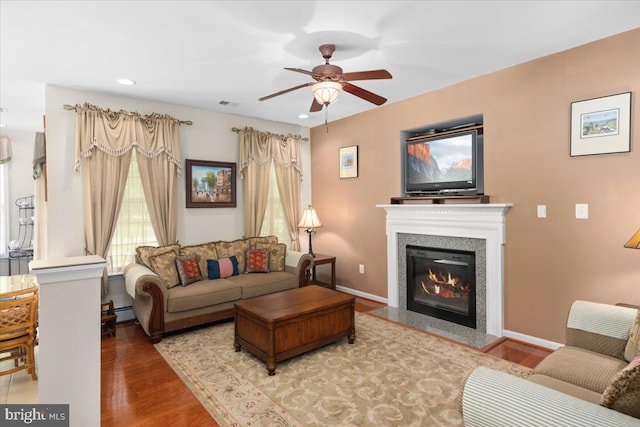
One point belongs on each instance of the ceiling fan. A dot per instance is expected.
(329, 80)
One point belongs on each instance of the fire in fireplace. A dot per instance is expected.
(441, 283)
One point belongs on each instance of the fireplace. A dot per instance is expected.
(442, 283)
(473, 227)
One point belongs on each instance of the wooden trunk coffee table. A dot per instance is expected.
(278, 326)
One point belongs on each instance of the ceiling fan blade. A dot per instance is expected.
(300, 70)
(264, 98)
(367, 75)
(364, 94)
(315, 106)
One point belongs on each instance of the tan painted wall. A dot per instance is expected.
(549, 262)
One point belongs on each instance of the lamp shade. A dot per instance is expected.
(634, 241)
(309, 219)
(326, 92)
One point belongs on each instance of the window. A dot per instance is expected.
(4, 209)
(275, 223)
(133, 227)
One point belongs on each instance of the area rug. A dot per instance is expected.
(391, 376)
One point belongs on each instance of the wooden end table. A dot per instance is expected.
(278, 326)
(320, 259)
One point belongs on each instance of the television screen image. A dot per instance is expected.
(447, 159)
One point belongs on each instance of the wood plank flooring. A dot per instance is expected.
(140, 389)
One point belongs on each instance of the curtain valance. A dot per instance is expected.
(117, 132)
(262, 148)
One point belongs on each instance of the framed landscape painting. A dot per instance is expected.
(210, 184)
(601, 125)
(349, 162)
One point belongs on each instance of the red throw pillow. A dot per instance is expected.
(188, 269)
(257, 261)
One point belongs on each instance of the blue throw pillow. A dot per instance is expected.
(221, 268)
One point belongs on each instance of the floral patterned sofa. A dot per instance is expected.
(175, 287)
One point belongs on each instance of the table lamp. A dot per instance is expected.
(310, 222)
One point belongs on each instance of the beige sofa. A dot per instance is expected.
(169, 296)
(592, 381)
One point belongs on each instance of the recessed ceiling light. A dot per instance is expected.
(303, 116)
(2, 125)
(126, 82)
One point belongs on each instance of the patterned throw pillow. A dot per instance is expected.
(277, 255)
(222, 268)
(204, 251)
(623, 394)
(144, 252)
(252, 241)
(257, 261)
(235, 248)
(633, 345)
(188, 269)
(164, 265)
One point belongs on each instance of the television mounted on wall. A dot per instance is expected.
(447, 163)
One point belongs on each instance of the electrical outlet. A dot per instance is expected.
(542, 211)
(361, 268)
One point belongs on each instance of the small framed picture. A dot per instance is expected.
(349, 162)
(601, 125)
(210, 184)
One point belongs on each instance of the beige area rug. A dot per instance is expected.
(391, 376)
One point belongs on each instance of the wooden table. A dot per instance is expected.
(320, 259)
(11, 286)
(278, 326)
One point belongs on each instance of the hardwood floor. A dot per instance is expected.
(519, 352)
(140, 389)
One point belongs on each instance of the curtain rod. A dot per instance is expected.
(236, 130)
(75, 108)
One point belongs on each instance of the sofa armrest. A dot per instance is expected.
(299, 263)
(497, 399)
(603, 328)
(149, 295)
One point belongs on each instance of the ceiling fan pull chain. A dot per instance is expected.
(326, 116)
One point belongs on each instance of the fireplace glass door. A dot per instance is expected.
(441, 283)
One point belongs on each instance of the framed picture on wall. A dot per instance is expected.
(601, 125)
(210, 184)
(349, 162)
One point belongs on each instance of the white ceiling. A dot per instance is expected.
(198, 53)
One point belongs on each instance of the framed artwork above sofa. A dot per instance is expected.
(210, 184)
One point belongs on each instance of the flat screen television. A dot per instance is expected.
(451, 163)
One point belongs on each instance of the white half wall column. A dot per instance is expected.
(69, 335)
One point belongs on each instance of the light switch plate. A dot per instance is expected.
(542, 211)
(582, 211)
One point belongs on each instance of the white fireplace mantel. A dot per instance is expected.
(479, 221)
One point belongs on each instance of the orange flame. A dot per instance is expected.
(448, 280)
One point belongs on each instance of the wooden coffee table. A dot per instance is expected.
(278, 326)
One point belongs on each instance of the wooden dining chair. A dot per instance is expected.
(18, 323)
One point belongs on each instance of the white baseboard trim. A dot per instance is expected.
(361, 294)
(532, 340)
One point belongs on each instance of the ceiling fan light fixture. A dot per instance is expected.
(326, 92)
